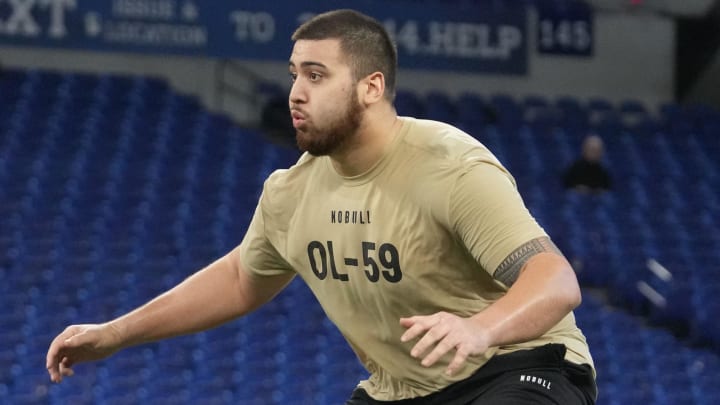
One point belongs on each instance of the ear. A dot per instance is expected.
(372, 88)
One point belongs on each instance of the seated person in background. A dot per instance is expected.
(587, 174)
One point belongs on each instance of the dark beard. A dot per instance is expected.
(337, 134)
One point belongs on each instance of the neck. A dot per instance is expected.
(376, 131)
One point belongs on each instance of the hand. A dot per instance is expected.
(79, 343)
(445, 332)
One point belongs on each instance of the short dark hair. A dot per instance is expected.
(363, 40)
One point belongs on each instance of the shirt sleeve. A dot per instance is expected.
(257, 254)
(489, 216)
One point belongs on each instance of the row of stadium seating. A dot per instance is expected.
(474, 111)
(113, 189)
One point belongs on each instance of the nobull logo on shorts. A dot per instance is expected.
(535, 380)
(18, 18)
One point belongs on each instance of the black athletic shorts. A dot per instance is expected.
(528, 377)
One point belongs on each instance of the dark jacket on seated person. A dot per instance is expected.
(588, 173)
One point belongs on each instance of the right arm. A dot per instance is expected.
(214, 295)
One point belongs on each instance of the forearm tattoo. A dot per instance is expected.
(509, 270)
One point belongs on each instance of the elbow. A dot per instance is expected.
(554, 281)
(565, 288)
(574, 298)
(571, 294)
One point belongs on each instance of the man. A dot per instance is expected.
(587, 174)
(409, 232)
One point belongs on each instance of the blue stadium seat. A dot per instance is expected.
(472, 113)
(408, 103)
(507, 111)
(440, 107)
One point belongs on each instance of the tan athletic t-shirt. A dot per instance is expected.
(420, 232)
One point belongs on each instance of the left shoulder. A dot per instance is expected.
(438, 134)
(441, 141)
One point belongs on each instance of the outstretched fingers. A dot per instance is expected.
(442, 333)
(415, 325)
(434, 333)
(461, 356)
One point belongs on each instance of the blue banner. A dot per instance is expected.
(430, 36)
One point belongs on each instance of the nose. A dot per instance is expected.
(297, 93)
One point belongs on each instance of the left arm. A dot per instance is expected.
(489, 216)
(545, 291)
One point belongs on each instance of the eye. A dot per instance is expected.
(314, 76)
(293, 76)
